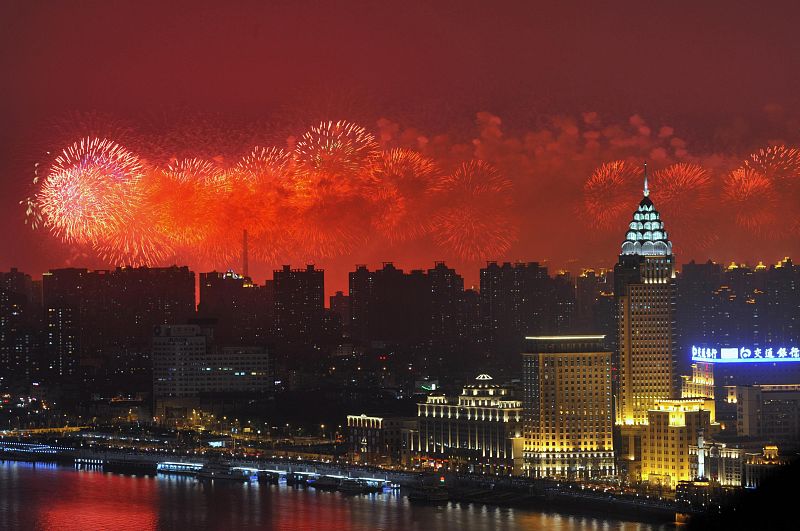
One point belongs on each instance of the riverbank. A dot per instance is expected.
(501, 492)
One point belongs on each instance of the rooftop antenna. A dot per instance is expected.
(646, 189)
(244, 254)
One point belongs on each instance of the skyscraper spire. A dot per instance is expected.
(646, 189)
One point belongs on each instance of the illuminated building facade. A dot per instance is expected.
(568, 417)
(479, 431)
(760, 466)
(672, 427)
(720, 463)
(701, 383)
(645, 290)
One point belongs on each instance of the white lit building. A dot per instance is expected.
(478, 431)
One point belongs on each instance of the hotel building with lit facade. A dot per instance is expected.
(672, 427)
(478, 431)
(568, 419)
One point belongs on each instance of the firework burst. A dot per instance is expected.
(610, 193)
(754, 199)
(683, 194)
(89, 191)
(258, 201)
(334, 158)
(185, 197)
(403, 189)
(474, 219)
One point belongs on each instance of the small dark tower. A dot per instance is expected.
(245, 272)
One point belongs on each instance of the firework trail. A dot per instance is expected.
(611, 193)
(474, 219)
(779, 164)
(753, 196)
(403, 191)
(683, 193)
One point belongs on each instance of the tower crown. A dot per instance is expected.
(646, 235)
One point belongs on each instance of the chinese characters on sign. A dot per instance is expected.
(745, 354)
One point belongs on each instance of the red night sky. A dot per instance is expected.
(544, 94)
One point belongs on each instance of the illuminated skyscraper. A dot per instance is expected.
(645, 290)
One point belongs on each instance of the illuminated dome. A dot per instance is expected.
(646, 235)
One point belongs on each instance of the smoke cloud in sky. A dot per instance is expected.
(566, 101)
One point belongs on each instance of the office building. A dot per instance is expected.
(768, 412)
(645, 291)
(188, 363)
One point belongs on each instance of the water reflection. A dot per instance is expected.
(49, 497)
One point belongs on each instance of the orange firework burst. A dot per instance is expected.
(754, 198)
(137, 243)
(474, 219)
(683, 193)
(89, 191)
(187, 194)
(403, 182)
(334, 157)
(611, 192)
(780, 164)
(258, 202)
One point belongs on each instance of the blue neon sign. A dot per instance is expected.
(745, 354)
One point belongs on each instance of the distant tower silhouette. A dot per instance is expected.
(245, 264)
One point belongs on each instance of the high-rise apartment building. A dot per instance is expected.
(19, 326)
(243, 311)
(522, 299)
(567, 407)
(103, 320)
(299, 302)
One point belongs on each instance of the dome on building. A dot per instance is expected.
(646, 234)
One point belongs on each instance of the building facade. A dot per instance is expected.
(478, 431)
(380, 440)
(568, 418)
(187, 363)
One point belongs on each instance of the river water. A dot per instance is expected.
(51, 497)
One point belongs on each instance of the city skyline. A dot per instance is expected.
(399, 265)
